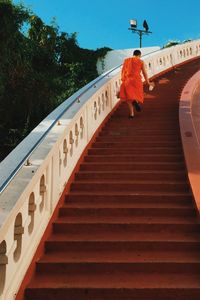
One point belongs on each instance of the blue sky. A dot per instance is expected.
(105, 23)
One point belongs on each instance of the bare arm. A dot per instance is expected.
(144, 72)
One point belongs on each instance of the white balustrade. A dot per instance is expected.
(28, 202)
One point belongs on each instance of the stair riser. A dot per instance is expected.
(115, 293)
(126, 212)
(181, 200)
(124, 119)
(135, 144)
(162, 117)
(123, 231)
(78, 247)
(134, 158)
(116, 268)
(129, 187)
(92, 176)
(139, 129)
(129, 151)
(115, 135)
(140, 132)
(137, 138)
(132, 167)
(142, 126)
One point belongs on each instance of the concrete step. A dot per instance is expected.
(134, 144)
(99, 268)
(52, 290)
(130, 175)
(88, 250)
(129, 199)
(132, 166)
(130, 132)
(126, 213)
(131, 185)
(135, 158)
(135, 151)
(138, 138)
(158, 229)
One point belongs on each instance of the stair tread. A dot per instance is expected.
(121, 246)
(179, 237)
(112, 268)
(135, 163)
(137, 205)
(138, 212)
(88, 205)
(121, 256)
(149, 149)
(126, 220)
(119, 280)
(131, 172)
(131, 181)
(176, 175)
(141, 155)
(131, 193)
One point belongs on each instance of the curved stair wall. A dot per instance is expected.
(29, 200)
(189, 118)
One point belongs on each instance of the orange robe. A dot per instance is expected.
(132, 86)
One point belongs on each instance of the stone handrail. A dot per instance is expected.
(28, 202)
(20, 155)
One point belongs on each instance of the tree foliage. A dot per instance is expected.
(39, 68)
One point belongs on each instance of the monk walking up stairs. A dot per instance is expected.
(129, 228)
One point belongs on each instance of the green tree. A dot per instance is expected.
(39, 69)
(14, 66)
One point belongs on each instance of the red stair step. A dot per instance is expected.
(128, 229)
(138, 133)
(61, 291)
(132, 166)
(135, 186)
(152, 138)
(115, 268)
(131, 175)
(134, 158)
(135, 151)
(130, 200)
(132, 143)
(80, 250)
(98, 213)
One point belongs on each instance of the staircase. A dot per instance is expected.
(129, 228)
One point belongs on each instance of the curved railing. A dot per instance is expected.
(21, 154)
(28, 201)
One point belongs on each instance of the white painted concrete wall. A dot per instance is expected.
(115, 58)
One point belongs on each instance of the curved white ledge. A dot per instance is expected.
(20, 155)
(189, 117)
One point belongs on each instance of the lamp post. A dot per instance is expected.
(140, 32)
